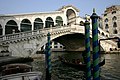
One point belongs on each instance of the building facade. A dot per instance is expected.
(111, 20)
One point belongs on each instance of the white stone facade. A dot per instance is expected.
(111, 20)
(30, 30)
(68, 14)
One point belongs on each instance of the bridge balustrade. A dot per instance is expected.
(31, 33)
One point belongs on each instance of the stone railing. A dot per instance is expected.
(27, 34)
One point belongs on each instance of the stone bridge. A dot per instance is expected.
(27, 43)
(25, 34)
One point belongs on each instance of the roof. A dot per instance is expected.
(112, 8)
(64, 7)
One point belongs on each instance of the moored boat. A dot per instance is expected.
(19, 72)
(77, 64)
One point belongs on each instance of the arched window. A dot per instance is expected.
(106, 26)
(38, 24)
(103, 34)
(115, 31)
(25, 25)
(49, 22)
(71, 16)
(106, 20)
(114, 24)
(114, 18)
(11, 27)
(106, 35)
(1, 29)
(59, 21)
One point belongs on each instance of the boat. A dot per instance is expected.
(77, 64)
(19, 72)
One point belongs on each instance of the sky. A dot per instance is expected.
(30, 6)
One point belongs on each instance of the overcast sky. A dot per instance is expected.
(28, 6)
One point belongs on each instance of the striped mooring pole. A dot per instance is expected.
(96, 73)
(48, 58)
(87, 50)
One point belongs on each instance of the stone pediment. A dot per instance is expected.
(65, 7)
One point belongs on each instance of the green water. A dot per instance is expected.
(110, 71)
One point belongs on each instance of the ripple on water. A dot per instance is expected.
(110, 71)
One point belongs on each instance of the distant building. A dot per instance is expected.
(111, 20)
(55, 46)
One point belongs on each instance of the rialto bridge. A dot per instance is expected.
(25, 34)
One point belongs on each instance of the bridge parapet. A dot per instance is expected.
(31, 34)
(77, 29)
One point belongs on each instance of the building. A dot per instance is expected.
(111, 20)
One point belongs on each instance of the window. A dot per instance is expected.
(114, 24)
(102, 33)
(106, 35)
(107, 31)
(113, 12)
(105, 14)
(114, 18)
(106, 20)
(61, 46)
(55, 46)
(115, 31)
(106, 26)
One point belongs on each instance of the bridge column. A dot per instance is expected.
(3, 26)
(32, 26)
(96, 74)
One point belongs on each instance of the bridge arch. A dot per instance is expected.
(38, 24)
(49, 22)
(71, 15)
(72, 41)
(11, 27)
(25, 25)
(59, 21)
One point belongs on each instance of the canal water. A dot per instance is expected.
(110, 71)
